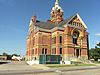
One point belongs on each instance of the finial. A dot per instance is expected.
(57, 2)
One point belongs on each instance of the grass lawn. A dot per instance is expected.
(86, 65)
(64, 65)
(96, 62)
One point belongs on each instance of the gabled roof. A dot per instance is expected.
(50, 25)
(78, 18)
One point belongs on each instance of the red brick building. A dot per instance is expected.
(58, 36)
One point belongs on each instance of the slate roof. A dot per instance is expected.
(45, 25)
(49, 25)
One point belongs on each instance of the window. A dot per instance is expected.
(33, 41)
(61, 16)
(74, 23)
(58, 10)
(42, 50)
(48, 58)
(75, 37)
(60, 39)
(75, 41)
(53, 12)
(54, 51)
(46, 51)
(36, 51)
(32, 51)
(60, 50)
(56, 7)
(54, 40)
(70, 23)
(77, 24)
(35, 58)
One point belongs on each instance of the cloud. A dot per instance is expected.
(98, 34)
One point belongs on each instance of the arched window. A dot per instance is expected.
(75, 37)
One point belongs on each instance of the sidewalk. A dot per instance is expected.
(40, 66)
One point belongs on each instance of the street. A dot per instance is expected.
(16, 67)
(21, 68)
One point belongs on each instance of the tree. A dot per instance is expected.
(4, 54)
(98, 44)
(15, 55)
(9, 56)
(95, 52)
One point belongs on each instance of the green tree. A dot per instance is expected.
(95, 52)
(15, 55)
(4, 54)
(98, 44)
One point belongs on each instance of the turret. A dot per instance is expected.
(31, 25)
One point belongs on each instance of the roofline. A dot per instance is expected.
(79, 19)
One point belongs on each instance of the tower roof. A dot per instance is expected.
(56, 13)
(57, 6)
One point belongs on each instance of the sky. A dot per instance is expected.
(15, 16)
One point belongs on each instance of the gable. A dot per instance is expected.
(76, 21)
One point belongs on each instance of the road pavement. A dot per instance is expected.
(21, 68)
(16, 67)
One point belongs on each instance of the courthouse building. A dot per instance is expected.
(57, 36)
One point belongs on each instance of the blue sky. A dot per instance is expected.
(16, 14)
